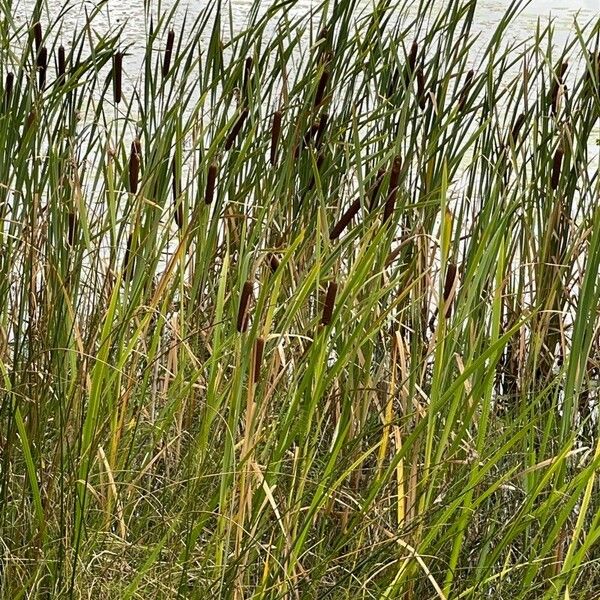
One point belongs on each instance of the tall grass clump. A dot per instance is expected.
(306, 308)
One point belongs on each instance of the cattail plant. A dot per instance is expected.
(168, 53)
(374, 191)
(514, 133)
(259, 348)
(273, 262)
(211, 179)
(128, 259)
(37, 36)
(42, 66)
(556, 168)
(275, 135)
(329, 303)
(134, 165)
(345, 219)
(237, 126)
(62, 65)
(464, 94)
(176, 189)
(411, 61)
(323, 121)
(390, 203)
(422, 99)
(242, 317)
(117, 77)
(248, 64)
(72, 228)
(449, 288)
(8, 90)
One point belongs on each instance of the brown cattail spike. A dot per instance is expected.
(329, 303)
(514, 134)
(321, 88)
(556, 168)
(42, 66)
(8, 89)
(247, 73)
(259, 348)
(118, 77)
(390, 203)
(411, 61)
(134, 165)
(275, 135)
(62, 64)
(72, 231)
(321, 130)
(128, 260)
(168, 53)
(176, 193)
(237, 126)
(37, 35)
(449, 288)
(242, 318)
(464, 95)
(211, 179)
(345, 219)
(273, 262)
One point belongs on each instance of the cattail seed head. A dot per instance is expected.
(42, 65)
(168, 53)
(62, 64)
(134, 165)
(345, 219)
(449, 285)
(8, 89)
(464, 95)
(128, 260)
(390, 203)
(329, 303)
(72, 228)
(237, 126)
(37, 35)
(421, 88)
(275, 135)
(322, 87)
(321, 129)
(273, 262)
(118, 77)
(411, 61)
(242, 317)
(211, 179)
(248, 64)
(514, 134)
(259, 348)
(556, 168)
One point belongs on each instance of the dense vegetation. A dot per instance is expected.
(308, 309)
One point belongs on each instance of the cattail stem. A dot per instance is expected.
(242, 317)
(259, 348)
(345, 219)
(176, 194)
(557, 86)
(390, 203)
(211, 179)
(275, 135)
(556, 168)
(134, 165)
(329, 303)
(168, 53)
(237, 126)
(118, 77)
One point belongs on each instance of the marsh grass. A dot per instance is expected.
(223, 377)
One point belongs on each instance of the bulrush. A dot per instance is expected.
(237, 126)
(247, 74)
(345, 219)
(557, 85)
(464, 94)
(449, 284)
(211, 178)
(62, 65)
(273, 262)
(411, 61)
(42, 66)
(8, 89)
(329, 303)
(322, 88)
(275, 135)
(168, 53)
(118, 77)
(259, 348)
(556, 168)
(128, 260)
(514, 134)
(421, 88)
(242, 317)
(37, 35)
(72, 228)
(390, 202)
(134, 165)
